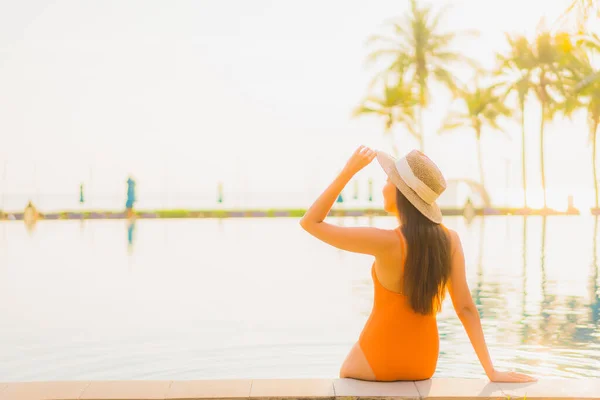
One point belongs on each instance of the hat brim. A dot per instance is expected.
(431, 211)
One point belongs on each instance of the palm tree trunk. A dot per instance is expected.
(543, 172)
(480, 160)
(523, 158)
(594, 133)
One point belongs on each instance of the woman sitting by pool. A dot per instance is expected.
(414, 265)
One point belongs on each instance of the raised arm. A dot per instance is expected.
(469, 316)
(365, 240)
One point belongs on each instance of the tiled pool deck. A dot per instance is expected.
(439, 389)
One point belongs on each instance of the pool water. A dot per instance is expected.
(260, 298)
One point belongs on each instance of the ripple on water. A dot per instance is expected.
(196, 299)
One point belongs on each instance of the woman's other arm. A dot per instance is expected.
(469, 316)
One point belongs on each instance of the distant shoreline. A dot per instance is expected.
(273, 213)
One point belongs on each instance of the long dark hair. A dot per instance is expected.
(428, 258)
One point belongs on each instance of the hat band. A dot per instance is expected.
(420, 188)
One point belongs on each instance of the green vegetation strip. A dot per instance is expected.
(272, 213)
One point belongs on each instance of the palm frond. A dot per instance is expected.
(459, 58)
(384, 40)
(377, 55)
(365, 110)
(451, 124)
(395, 105)
(441, 41)
(441, 13)
(591, 79)
(447, 78)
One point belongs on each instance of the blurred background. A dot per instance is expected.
(148, 109)
(260, 96)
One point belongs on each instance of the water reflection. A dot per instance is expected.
(525, 326)
(487, 293)
(594, 289)
(30, 225)
(588, 332)
(563, 325)
(477, 291)
(536, 287)
(547, 299)
(130, 234)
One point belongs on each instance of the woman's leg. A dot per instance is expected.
(356, 365)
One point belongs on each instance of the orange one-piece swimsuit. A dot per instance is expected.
(398, 343)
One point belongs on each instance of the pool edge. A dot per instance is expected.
(271, 389)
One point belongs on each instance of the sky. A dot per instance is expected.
(256, 94)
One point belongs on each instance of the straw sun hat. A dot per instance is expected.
(418, 179)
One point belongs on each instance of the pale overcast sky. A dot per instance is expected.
(258, 94)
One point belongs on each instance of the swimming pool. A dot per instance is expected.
(260, 298)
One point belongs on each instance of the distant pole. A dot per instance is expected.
(370, 190)
(166, 187)
(220, 192)
(81, 200)
(355, 190)
(90, 184)
(81, 196)
(4, 183)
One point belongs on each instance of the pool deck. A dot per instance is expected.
(437, 388)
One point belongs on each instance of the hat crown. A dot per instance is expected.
(426, 171)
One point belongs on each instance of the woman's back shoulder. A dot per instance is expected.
(454, 239)
(389, 237)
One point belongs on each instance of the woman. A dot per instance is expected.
(414, 265)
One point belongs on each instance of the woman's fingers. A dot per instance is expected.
(362, 156)
(364, 150)
(511, 377)
(522, 377)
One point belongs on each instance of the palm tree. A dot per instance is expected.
(592, 91)
(515, 72)
(481, 107)
(416, 49)
(587, 96)
(396, 106)
(550, 56)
